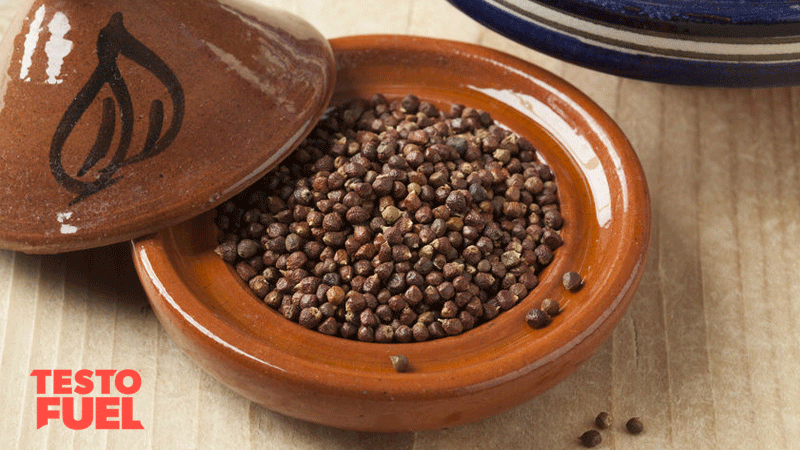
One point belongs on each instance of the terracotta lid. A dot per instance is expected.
(121, 117)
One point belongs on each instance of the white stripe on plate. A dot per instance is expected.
(650, 43)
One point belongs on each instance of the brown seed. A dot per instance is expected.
(435, 330)
(245, 271)
(634, 425)
(550, 306)
(420, 332)
(536, 318)
(529, 280)
(227, 251)
(335, 295)
(467, 320)
(449, 309)
(355, 302)
(553, 219)
(382, 185)
(401, 253)
(490, 309)
(410, 103)
(296, 260)
(403, 333)
(510, 259)
(334, 238)
(519, 290)
(260, 285)
(399, 363)
(484, 280)
(514, 209)
(603, 420)
(357, 215)
(348, 331)
(366, 334)
(452, 326)
(393, 235)
(247, 248)
(457, 202)
(310, 317)
(329, 326)
(390, 214)
(446, 290)
(572, 281)
(591, 438)
(552, 239)
(384, 333)
(273, 299)
(506, 299)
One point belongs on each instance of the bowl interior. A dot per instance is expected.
(604, 203)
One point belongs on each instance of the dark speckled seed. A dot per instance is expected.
(634, 425)
(537, 318)
(452, 326)
(603, 420)
(591, 438)
(457, 202)
(403, 334)
(399, 363)
(384, 333)
(506, 299)
(572, 281)
(260, 286)
(247, 248)
(366, 334)
(227, 251)
(552, 239)
(329, 326)
(420, 332)
(436, 331)
(245, 271)
(310, 317)
(550, 306)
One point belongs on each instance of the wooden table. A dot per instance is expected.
(708, 354)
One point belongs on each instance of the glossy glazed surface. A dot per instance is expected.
(118, 118)
(210, 313)
(709, 43)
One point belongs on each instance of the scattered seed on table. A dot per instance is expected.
(634, 425)
(603, 420)
(572, 281)
(591, 438)
(399, 362)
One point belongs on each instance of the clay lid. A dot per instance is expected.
(121, 117)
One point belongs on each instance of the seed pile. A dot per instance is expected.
(396, 222)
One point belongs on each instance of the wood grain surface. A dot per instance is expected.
(708, 354)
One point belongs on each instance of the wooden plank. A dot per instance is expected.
(678, 266)
(17, 388)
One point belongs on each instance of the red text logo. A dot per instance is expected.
(56, 392)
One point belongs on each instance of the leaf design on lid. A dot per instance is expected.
(112, 41)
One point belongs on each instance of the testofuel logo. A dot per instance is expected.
(58, 393)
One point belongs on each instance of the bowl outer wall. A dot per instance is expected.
(207, 310)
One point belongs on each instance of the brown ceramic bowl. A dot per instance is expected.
(211, 314)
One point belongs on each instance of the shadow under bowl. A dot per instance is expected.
(210, 313)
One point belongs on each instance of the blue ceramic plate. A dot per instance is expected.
(708, 43)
